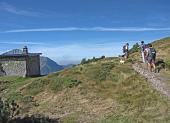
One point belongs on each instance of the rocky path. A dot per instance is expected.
(156, 81)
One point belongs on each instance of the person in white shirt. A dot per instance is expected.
(125, 50)
(142, 47)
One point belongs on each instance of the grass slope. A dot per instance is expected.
(163, 48)
(102, 91)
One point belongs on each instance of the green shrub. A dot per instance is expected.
(167, 65)
(15, 96)
(27, 99)
(60, 83)
(4, 85)
(93, 59)
(134, 49)
(37, 118)
(104, 71)
(8, 110)
(37, 86)
(130, 60)
(83, 61)
(114, 78)
(102, 57)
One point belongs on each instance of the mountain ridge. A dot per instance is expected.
(49, 66)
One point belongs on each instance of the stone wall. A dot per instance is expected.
(13, 67)
(2, 72)
(20, 66)
(33, 66)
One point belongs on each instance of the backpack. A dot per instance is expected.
(124, 49)
(152, 53)
(143, 47)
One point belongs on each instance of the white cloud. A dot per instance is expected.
(12, 9)
(99, 29)
(21, 43)
(73, 53)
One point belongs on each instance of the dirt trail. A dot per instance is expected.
(156, 81)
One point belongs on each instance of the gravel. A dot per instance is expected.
(156, 81)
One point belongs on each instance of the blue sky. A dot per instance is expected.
(69, 30)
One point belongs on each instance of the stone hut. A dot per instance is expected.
(20, 63)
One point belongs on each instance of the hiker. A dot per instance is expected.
(151, 58)
(142, 47)
(125, 50)
(146, 51)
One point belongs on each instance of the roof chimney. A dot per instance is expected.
(25, 50)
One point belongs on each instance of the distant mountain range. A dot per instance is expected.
(47, 65)
(68, 66)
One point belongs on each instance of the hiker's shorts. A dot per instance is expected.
(146, 59)
(126, 54)
(151, 60)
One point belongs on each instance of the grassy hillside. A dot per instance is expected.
(102, 91)
(163, 48)
(99, 91)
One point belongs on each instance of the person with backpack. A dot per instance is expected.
(142, 47)
(151, 57)
(125, 50)
(146, 53)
